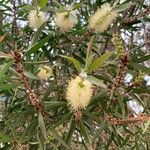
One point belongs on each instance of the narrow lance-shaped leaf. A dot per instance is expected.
(96, 81)
(58, 4)
(57, 137)
(27, 7)
(42, 126)
(77, 6)
(147, 124)
(99, 62)
(84, 132)
(122, 7)
(37, 35)
(41, 146)
(38, 45)
(141, 67)
(71, 130)
(89, 61)
(4, 138)
(30, 75)
(89, 55)
(99, 131)
(74, 61)
(4, 69)
(43, 3)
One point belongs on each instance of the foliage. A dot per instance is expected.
(34, 113)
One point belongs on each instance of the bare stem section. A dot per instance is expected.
(141, 118)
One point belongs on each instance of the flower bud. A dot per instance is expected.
(117, 41)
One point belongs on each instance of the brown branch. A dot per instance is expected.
(14, 11)
(86, 34)
(120, 76)
(136, 18)
(141, 118)
(33, 99)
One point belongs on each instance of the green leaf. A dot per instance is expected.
(60, 10)
(74, 61)
(99, 131)
(59, 4)
(146, 126)
(96, 81)
(32, 130)
(30, 75)
(98, 98)
(89, 55)
(29, 131)
(122, 106)
(141, 90)
(122, 7)
(70, 132)
(54, 104)
(141, 67)
(42, 126)
(99, 62)
(142, 59)
(62, 119)
(92, 116)
(37, 35)
(57, 137)
(28, 7)
(4, 138)
(41, 146)
(84, 132)
(4, 69)
(38, 45)
(9, 86)
(23, 115)
(126, 140)
(77, 6)
(43, 3)
(89, 61)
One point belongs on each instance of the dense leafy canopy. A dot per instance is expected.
(34, 110)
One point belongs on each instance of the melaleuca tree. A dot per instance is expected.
(74, 74)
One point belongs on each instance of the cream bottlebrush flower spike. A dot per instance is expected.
(66, 20)
(79, 93)
(45, 72)
(102, 18)
(36, 18)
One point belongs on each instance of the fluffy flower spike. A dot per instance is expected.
(102, 18)
(79, 93)
(36, 18)
(45, 72)
(66, 20)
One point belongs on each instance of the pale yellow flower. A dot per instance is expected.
(79, 93)
(36, 18)
(102, 18)
(66, 20)
(45, 72)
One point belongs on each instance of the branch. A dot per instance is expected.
(34, 100)
(141, 118)
(136, 18)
